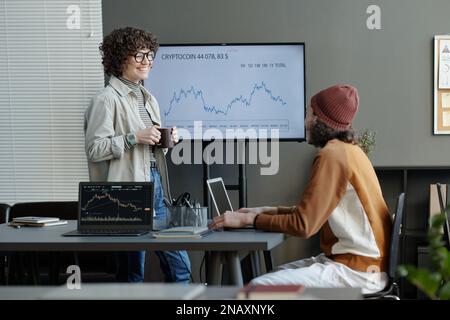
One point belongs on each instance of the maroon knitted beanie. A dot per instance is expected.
(336, 106)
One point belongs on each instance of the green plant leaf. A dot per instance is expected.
(434, 284)
(434, 239)
(444, 293)
(437, 221)
(402, 271)
(446, 265)
(425, 280)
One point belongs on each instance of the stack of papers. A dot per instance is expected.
(182, 232)
(32, 221)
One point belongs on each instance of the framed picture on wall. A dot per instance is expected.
(441, 84)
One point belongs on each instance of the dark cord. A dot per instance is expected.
(201, 266)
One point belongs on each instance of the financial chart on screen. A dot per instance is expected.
(231, 87)
(121, 203)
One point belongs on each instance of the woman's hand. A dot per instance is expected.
(149, 136)
(231, 219)
(175, 137)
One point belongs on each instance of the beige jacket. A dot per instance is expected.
(112, 114)
(343, 199)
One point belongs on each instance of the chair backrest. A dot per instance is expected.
(444, 210)
(4, 212)
(395, 236)
(61, 209)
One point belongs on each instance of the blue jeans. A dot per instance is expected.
(174, 264)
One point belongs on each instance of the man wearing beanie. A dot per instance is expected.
(343, 200)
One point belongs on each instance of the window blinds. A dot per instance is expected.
(50, 67)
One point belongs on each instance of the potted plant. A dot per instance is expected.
(434, 283)
(366, 140)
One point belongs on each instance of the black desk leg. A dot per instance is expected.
(234, 263)
(256, 270)
(34, 267)
(2, 270)
(10, 268)
(21, 268)
(207, 262)
(54, 268)
(76, 259)
(268, 260)
(214, 270)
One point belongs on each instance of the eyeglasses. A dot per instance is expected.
(139, 56)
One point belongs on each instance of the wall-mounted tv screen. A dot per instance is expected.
(231, 90)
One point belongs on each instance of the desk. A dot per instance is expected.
(224, 245)
(156, 291)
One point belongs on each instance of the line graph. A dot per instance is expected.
(197, 94)
(254, 87)
(111, 199)
(110, 219)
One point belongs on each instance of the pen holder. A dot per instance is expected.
(181, 216)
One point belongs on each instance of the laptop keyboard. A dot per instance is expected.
(112, 231)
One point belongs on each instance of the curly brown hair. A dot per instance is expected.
(320, 134)
(120, 43)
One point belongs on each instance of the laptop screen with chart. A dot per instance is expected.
(116, 205)
(236, 90)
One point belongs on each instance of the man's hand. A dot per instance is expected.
(175, 137)
(149, 136)
(231, 219)
(259, 210)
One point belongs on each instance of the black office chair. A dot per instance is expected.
(4, 212)
(95, 266)
(24, 267)
(4, 215)
(391, 291)
(443, 207)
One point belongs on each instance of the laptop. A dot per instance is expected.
(114, 209)
(220, 198)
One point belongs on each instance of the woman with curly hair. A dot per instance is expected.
(122, 136)
(343, 200)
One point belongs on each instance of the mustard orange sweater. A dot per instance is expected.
(343, 199)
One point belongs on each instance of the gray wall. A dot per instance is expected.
(392, 68)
